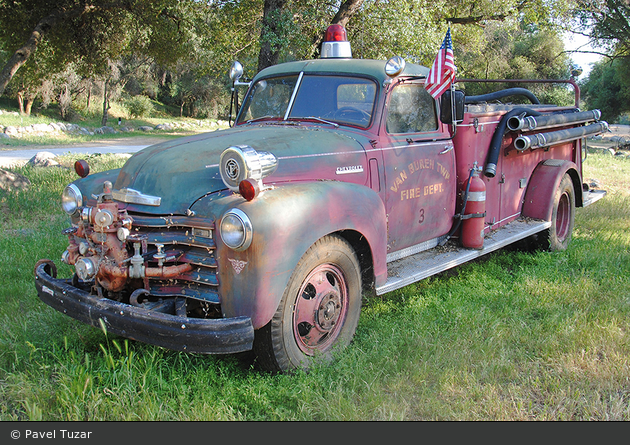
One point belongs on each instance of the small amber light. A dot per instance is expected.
(82, 168)
(248, 188)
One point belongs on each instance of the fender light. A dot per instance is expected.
(336, 45)
(242, 169)
(82, 168)
(249, 189)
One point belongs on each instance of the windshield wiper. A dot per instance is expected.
(256, 119)
(318, 119)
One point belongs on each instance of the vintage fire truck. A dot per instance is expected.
(340, 178)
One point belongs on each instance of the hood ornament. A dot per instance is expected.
(131, 196)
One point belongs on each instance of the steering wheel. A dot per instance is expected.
(348, 112)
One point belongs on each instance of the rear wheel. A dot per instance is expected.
(319, 310)
(558, 236)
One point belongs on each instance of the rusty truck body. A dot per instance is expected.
(339, 177)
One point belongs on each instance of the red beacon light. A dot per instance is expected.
(336, 45)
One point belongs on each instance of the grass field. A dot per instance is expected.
(514, 336)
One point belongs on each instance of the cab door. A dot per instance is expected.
(419, 165)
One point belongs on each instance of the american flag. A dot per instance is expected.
(442, 72)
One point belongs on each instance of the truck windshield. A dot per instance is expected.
(339, 99)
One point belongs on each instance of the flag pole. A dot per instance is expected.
(453, 115)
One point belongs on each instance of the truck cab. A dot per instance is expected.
(340, 177)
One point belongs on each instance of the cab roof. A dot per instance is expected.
(366, 67)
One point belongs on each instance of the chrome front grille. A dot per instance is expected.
(185, 240)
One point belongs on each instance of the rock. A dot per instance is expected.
(593, 183)
(105, 130)
(167, 127)
(10, 181)
(42, 128)
(4, 136)
(43, 159)
(11, 131)
(145, 128)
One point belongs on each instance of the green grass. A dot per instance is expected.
(513, 336)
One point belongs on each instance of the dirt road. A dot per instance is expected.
(21, 155)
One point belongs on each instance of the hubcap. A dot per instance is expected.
(320, 309)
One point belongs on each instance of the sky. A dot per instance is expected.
(574, 41)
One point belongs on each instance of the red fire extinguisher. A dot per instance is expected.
(473, 211)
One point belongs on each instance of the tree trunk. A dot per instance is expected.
(269, 52)
(105, 103)
(20, 99)
(346, 10)
(20, 56)
(29, 105)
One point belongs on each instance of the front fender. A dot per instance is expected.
(286, 221)
(543, 184)
(93, 184)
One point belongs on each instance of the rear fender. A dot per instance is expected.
(544, 182)
(286, 221)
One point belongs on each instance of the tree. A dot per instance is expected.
(608, 88)
(94, 32)
(607, 22)
(281, 27)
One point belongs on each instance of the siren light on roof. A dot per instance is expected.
(336, 45)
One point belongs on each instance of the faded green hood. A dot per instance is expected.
(184, 170)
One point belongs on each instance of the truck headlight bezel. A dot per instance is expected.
(71, 199)
(236, 230)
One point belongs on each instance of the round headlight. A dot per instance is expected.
(71, 199)
(236, 230)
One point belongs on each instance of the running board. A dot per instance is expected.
(405, 271)
(591, 196)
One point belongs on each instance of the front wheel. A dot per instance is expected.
(319, 310)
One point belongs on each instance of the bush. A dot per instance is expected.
(139, 106)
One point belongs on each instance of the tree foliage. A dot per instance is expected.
(187, 45)
(608, 88)
(607, 22)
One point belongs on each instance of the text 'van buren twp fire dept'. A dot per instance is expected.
(340, 177)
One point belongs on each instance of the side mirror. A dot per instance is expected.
(449, 103)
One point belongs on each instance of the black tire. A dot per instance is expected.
(558, 236)
(319, 310)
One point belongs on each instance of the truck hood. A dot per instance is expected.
(184, 170)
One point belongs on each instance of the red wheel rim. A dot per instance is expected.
(563, 217)
(320, 309)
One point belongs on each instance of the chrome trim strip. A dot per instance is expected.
(295, 90)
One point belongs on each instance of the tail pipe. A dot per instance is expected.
(522, 143)
(530, 123)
